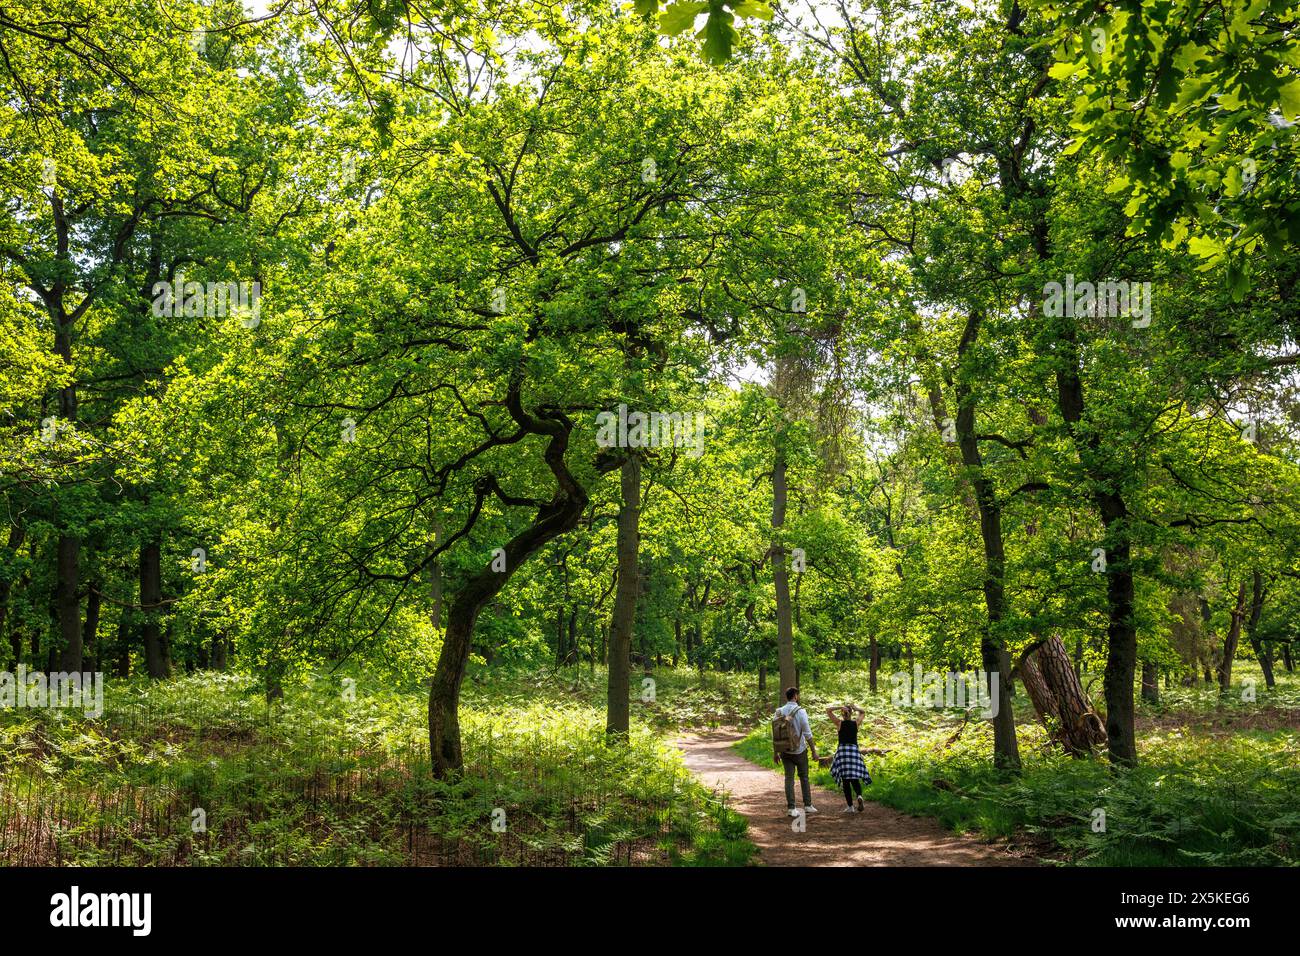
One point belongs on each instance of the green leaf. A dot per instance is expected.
(1204, 247)
(680, 17)
(1290, 97)
(759, 9)
(718, 36)
(1232, 182)
(1231, 100)
(1193, 91)
(1188, 55)
(1238, 281)
(1063, 71)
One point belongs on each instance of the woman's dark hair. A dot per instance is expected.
(790, 692)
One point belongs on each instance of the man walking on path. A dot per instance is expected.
(794, 756)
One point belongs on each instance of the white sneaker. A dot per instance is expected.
(794, 812)
(810, 809)
(849, 809)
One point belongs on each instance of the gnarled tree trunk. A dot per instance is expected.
(1059, 697)
(554, 518)
(1040, 695)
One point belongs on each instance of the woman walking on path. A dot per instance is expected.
(847, 767)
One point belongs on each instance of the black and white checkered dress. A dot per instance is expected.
(848, 764)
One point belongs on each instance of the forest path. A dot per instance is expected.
(879, 836)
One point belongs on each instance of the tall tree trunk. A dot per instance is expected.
(993, 653)
(559, 637)
(781, 580)
(69, 546)
(123, 668)
(167, 646)
(1263, 652)
(150, 601)
(1121, 628)
(16, 535)
(1150, 683)
(69, 605)
(875, 661)
(1121, 631)
(218, 653)
(435, 579)
(1232, 639)
(794, 604)
(981, 503)
(1205, 649)
(617, 714)
(90, 636)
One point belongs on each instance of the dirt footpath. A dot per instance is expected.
(880, 836)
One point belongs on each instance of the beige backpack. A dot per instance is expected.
(785, 732)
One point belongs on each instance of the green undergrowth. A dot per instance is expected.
(201, 770)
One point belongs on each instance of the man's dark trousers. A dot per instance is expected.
(791, 763)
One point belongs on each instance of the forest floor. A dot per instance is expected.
(879, 836)
(320, 779)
